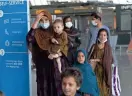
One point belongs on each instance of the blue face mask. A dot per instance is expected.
(45, 25)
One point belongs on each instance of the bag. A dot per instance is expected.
(93, 64)
(91, 51)
(116, 87)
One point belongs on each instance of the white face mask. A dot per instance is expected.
(94, 23)
(69, 24)
(45, 25)
(102, 41)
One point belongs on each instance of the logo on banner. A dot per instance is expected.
(1, 13)
(2, 52)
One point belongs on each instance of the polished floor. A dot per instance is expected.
(125, 72)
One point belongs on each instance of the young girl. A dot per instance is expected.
(101, 60)
(89, 85)
(59, 42)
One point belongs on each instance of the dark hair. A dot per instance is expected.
(64, 20)
(58, 21)
(95, 15)
(73, 72)
(1, 93)
(102, 29)
(66, 17)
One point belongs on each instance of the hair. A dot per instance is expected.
(58, 21)
(47, 14)
(84, 53)
(64, 20)
(1, 93)
(99, 32)
(95, 15)
(73, 72)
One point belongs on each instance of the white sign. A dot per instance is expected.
(126, 7)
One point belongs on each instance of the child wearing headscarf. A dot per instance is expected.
(89, 85)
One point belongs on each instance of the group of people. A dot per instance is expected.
(61, 68)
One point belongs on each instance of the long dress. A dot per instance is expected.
(48, 77)
(99, 71)
(73, 43)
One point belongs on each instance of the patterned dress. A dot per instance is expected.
(99, 71)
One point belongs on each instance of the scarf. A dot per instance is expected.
(107, 61)
(89, 82)
(43, 36)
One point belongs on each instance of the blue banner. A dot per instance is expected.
(14, 66)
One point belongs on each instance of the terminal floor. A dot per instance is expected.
(125, 72)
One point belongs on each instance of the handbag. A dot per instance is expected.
(93, 64)
(116, 87)
(91, 51)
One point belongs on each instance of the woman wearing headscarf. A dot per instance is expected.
(47, 73)
(89, 85)
(101, 59)
(74, 39)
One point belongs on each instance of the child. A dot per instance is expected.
(1, 93)
(71, 81)
(59, 42)
(89, 85)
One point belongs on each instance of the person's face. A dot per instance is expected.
(68, 23)
(81, 58)
(69, 86)
(58, 28)
(44, 22)
(68, 20)
(44, 19)
(95, 20)
(103, 36)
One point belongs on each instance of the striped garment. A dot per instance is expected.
(116, 87)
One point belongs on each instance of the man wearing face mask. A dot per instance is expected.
(96, 25)
(74, 40)
(92, 34)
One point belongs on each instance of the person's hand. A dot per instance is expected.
(55, 56)
(72, 44)
(93, 63)
(94, 60)
(39, 16)
(30, 39)
(58, 51)
(35, 24)
(60, 54)
(54, 41)
(86, 95)
(50, 57)
(97, 60)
